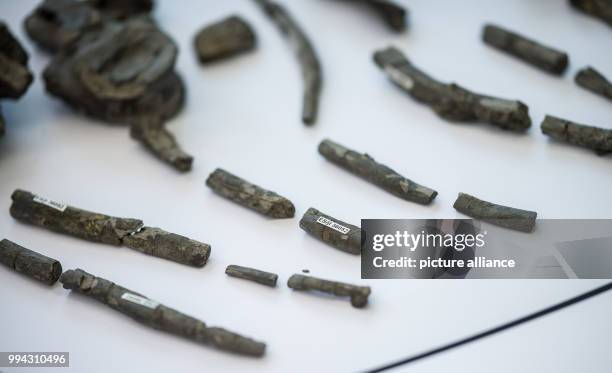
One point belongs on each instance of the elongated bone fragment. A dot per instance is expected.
(159, 141)
(601, 9)
(507, 217)
(336, 233)
(591, 79)
(252, 274)
(250, 195)
(367, 168)
(358, 294)
(61, 218)
(223, 39)
(157, 316)
(392, 13)
(30, 263)
(171, 246)
(530, 51)
(451, 101)
(590, 137)
(309, 62)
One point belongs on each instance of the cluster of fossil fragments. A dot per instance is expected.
(112, 62)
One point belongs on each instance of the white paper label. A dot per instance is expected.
(47, 202)
(333, 225)
(400, 78)
(140, 300)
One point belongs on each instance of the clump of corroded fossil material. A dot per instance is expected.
(61, 218)
(223, 39)
(451, 101)
(252, 274)
(157, 316)
(358, 294)
(250, 195)
(367, 168)
(592, 80)
(113, 63)
(532, 52)
(594, 138)
(507, 217)
(336, 233)
(15, 78)
(392, 13)
(30, 263)
(601, 9)
(309, 62)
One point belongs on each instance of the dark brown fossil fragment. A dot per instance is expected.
(532, 52)
(392, 13)
(601, 9)
(157, 316)
(309, 62)
(358, 294)
(591, 79)
(55, 24)
(595, 138)
(451, 101)
(507, 217)
(343, 236)
(367, 168)
(223, 39)
(95, 227)
(15, 78)
(252, 274)
(250, 195)
(122, 9)
(30, 263)
(124, 73)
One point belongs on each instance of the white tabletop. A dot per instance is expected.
(244, 115)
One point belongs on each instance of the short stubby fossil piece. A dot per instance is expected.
(157, 316)
(252, 274)
(532, 52)
(451, 101)
(336, 233)
(367, 168)
(132, 233)
(30, 263)
(358, 294)
(592, 80)
(507, 217)
(597, 139)
(15, 77)
(601, 9)
(309, 61)
(223, 39)
(250, 195)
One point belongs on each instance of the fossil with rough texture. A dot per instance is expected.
(336, 233)
(30, 263)
(590, 137)
(15, 78)
(223, 39)
(309, 62)
(252, 274)
(92, 226)
(532, 52)
(157, 316)
(358, 294)
(601, 9)
(507, 217)
(250, 195)
(367, 168)
(591, 79)
(451, 101)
